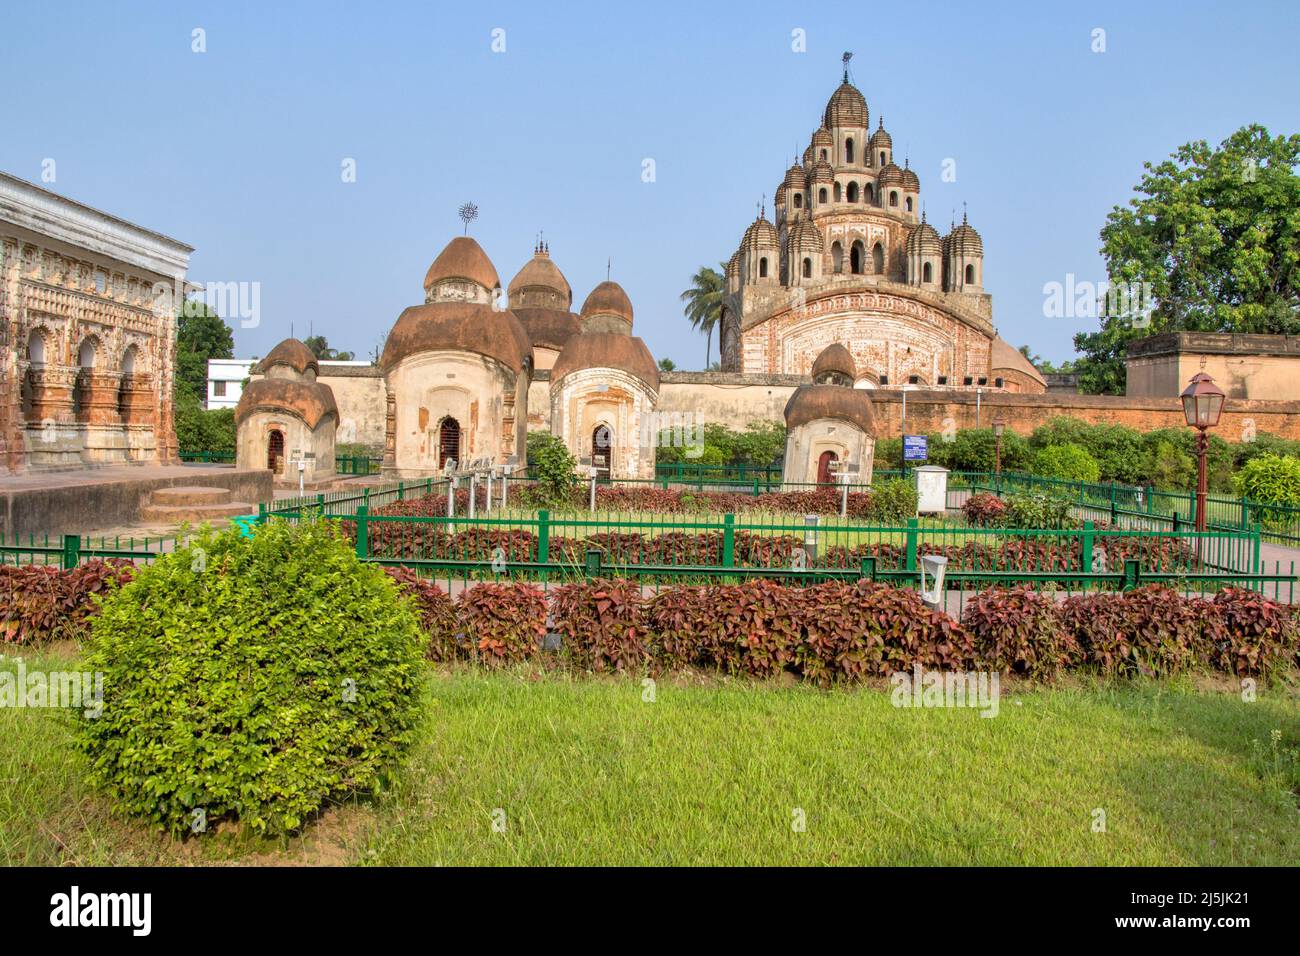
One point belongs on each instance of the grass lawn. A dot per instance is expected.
(584, 771)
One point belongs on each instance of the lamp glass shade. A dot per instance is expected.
(1202, 402)
(998, 426)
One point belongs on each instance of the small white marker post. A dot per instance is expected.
(473, 489)
(489, 490)
(505, 484)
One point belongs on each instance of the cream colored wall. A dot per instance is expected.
(470, 388)
(734, 406)
(360, 401)
(254, 437)
(805, 444)
(539, 407)
(1259, 377)
(584, 400)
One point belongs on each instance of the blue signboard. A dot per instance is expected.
(915, 448)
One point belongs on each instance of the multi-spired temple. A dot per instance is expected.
(87, 334)
(851, 258)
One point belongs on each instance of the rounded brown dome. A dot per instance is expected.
(910, 180)
(608, 299)
(795, 177)
(310, 401)
(541, 273)
(292, 353)
(627, 353)
(459, 327)
(811, 403)
(548, 328)
(761, 233)
(923, 239)
(964, 240)
(822, 172)
(806, 236)
(835, 358)
(881, 139)
(890, 175)
(822, 139)
(733, 265)
(846, 107)
(463, 258)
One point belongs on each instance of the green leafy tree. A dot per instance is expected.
(203, 429)
(1069, 462)
(553, 466)
(704, 303)
(1215, 235)
(667, 365)
(201, 334)
(320, 347)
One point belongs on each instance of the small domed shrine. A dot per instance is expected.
(829, 425)
(287, 416)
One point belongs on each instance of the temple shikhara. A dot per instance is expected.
(852, 259)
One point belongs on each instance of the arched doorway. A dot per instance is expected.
(602, 448)
(448, 442)
(856, 256)
(275, 451)
(824, 476)
(877, 259)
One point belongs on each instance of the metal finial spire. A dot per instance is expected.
(846, 57)
(608, 263)
(468, 213)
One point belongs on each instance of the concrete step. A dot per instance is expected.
(195, 513)
(189, 495)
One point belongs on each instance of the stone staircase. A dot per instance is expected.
(194, 504)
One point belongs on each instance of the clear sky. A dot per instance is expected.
(238, 150)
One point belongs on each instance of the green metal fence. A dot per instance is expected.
(343, 464)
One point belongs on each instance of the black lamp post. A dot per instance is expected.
(1202, 406)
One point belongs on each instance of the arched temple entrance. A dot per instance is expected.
(602, 447)
(824, 475)
(275, 451)
(448, 442)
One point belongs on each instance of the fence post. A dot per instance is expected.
(729, 541)
(1245, 513)
(592, 567)
(755, 486)
(320, 502)
(1132, 574)
(363, 532)
(911, 544)
(543, 536)
(71, 551)
(1086, 540)
(401, 490)
(868, 568)
(261, 512)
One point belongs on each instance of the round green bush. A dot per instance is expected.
(1068, 461)
(251, 679)
(1270, 479)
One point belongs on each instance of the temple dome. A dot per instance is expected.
(463, 258)
(459, 327)
(811, 403)
(627, 353)
(608, 299)
(294, 354)
(923, 239)
(964, 240)
(846, 107)
(835, 358)
(541, 273)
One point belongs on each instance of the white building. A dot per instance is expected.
(226, 381)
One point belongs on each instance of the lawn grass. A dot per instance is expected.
(582, 770)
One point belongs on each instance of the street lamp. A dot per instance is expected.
(1202, 406)
(999, 425)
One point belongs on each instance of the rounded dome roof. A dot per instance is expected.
(964, 239)
(733, 264)
(923, 239)
(834, 358)
(810, 403)
(463, 258)
(541, 271)
(627, 353)
(761, 233)
(795, 177)
(292, 353)
(890, 175)
(910, 180)
(310, 401)
(1004, 357)
(805, 236)
(458, 327)
(846, 107)
(880, 137)
(608, 298)
(822, 137)
(548, 328)
(822, 172)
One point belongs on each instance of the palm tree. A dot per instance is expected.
(704, 302)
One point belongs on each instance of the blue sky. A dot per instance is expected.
(238, 150)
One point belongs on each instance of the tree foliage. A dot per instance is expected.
(201, 334)
(1215, 235)
(704, 302)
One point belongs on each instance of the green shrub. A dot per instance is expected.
(503, 623)
(251, 679)
(39, 603)
(1270, 480)
(202, 429)
(554, 468)
(1068, 462)
(1151, 632)
(893, 500)
(437, 612)
(984, 510)
(1038, 510)
(1252, 636)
